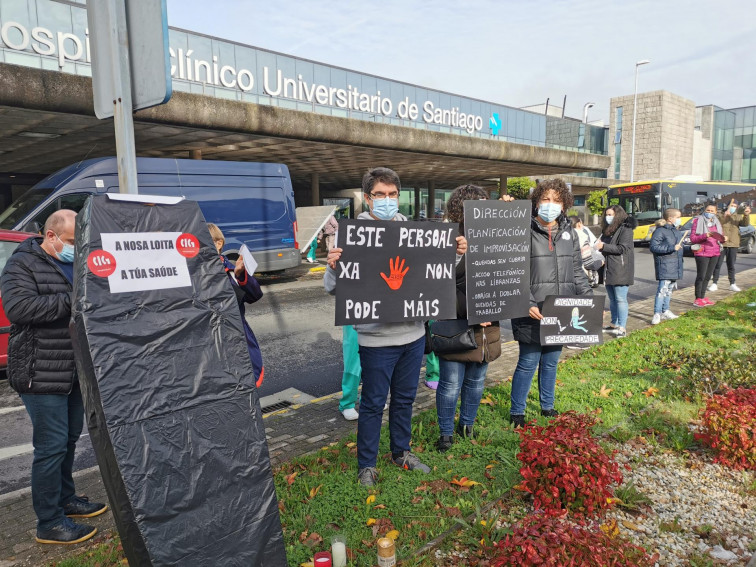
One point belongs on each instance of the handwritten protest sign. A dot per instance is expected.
(395, 271)
(570, 320)
(498, 259)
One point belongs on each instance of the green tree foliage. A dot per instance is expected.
(596, 202)
(519, 187)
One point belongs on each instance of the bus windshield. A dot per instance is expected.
(22, 206)
(644, 206)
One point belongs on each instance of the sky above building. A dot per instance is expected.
(515, 53)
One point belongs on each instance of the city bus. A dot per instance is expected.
(645, 200)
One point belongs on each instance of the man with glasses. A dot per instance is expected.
(36, 289)
(391, 354)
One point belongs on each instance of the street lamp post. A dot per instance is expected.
(586, 106)
(635, 115)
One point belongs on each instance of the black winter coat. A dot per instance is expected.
(556, 268)
(668, 262)
(37, 300)
(619, 268)
(488, 338)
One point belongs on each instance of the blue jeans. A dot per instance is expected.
(394, 368)
(467, 377)
(663, 296)
(57, 421)
(618, 304)
(533, 356)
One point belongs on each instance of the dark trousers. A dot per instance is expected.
(704, 268)
(57, 421)
(394, 368)
(730, 253)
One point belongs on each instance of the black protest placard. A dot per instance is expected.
(572, 320)
(395, 271)
(498, 259)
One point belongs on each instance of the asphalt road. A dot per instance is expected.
(301, 351)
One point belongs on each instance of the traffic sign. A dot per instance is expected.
(142, 50)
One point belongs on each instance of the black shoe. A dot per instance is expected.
(67, 532)
(465, 431)
(81, 507)
(517, 420)
(444, 443)
(549, 412)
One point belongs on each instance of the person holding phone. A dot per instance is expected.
(731, 222)
(666, 246)
(705, 236)
(247, 290)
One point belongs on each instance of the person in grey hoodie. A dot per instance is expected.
(391, 354)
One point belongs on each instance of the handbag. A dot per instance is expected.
(453, 335)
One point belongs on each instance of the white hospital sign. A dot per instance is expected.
(68, 47)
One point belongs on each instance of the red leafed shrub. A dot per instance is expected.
(729, 427)
(564, 467)
(540, 539)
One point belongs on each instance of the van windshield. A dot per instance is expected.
(22, 206)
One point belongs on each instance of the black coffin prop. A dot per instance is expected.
(169, 391)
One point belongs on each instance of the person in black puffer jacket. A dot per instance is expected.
(666, 246)
(616, 244)
(464, 371)
(556, 268)
(36, 289)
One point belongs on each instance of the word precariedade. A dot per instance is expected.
(497, 266)
(395, 271)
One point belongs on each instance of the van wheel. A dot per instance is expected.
(751, 244)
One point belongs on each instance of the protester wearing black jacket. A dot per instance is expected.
(556, 268)
(616, 243)
(36, 289)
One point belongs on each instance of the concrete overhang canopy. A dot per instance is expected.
(338, 149)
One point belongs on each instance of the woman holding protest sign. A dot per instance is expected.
(247, 290)
(463, 371)
(556, 268)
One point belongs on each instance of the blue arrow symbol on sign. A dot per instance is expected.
(495, 123)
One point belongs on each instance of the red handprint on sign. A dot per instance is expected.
(396, 273)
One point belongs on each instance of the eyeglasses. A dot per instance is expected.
(392, 195)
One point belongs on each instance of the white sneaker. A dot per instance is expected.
(656, 319)
(733, 287)
(620, 332)
(668, 315)
(350, 414)
(712, 287)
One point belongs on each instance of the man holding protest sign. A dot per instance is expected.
(391, 353)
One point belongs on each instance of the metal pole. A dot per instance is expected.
(635, 114)
(122, 114)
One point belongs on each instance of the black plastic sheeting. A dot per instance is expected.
(171, 403)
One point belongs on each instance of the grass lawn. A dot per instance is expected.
(638, 385)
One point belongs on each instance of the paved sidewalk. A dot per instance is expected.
(320, 420)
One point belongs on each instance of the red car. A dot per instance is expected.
(9, 239)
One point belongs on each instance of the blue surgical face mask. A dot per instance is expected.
(385, 209)
(609, 219)
(677, 221)
(549, 211)
(732, 210)
(709, 215)
(67, 254)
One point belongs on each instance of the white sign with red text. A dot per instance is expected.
(143, 261)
